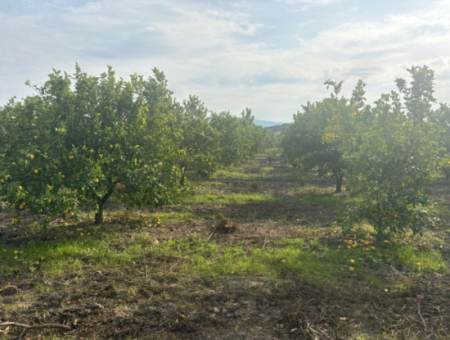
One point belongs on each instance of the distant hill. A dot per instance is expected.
(277, 128)
(266, 123)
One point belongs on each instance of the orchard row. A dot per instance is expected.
(388, 152)
(82, 138)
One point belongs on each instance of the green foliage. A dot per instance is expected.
(303, 143)
(199, 140)
(393, 157)
(82, 138)
(441, 117)
(239, 139)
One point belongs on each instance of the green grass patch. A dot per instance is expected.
(234, 174)
(324, 201)
(228, 198)
(430, 260)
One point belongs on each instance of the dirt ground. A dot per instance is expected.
(123, 302)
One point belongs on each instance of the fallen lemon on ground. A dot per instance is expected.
(352, 261)
(351, 269)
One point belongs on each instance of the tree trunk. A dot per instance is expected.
(99, 214)
(339, 184)
(101, 202)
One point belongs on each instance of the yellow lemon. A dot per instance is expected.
(349, 247)
(81, 234)
(70, 157)
(352, 261)
(111, 146)
(49, 201)
(351, 269)
(32, 156)
(66, 211)
(35, 137)
(35, 118)
(71, 214)
(20, 187)
(373, 248)
(2, 180)
(36, 171)
(16, 252)
(96, 180)
(42, 258)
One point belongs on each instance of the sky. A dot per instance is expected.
(268, 55)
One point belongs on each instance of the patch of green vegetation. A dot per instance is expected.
(234, 174)
(57, 258)
(213, 260)
(267, 169)
(442, 212)
(416, 260)
(324, 201)
(197, 256)
(228, 198)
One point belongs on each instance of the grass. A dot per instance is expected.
(201, 257)
(285, 237)
(226, 198)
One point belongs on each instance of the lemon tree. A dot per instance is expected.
(82, 138)
(303, 142)
(395, 156)
(441, 117)
(198, 142)
(239, 139)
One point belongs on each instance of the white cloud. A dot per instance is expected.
(221, 55)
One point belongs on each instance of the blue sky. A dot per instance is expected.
(271, 56)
